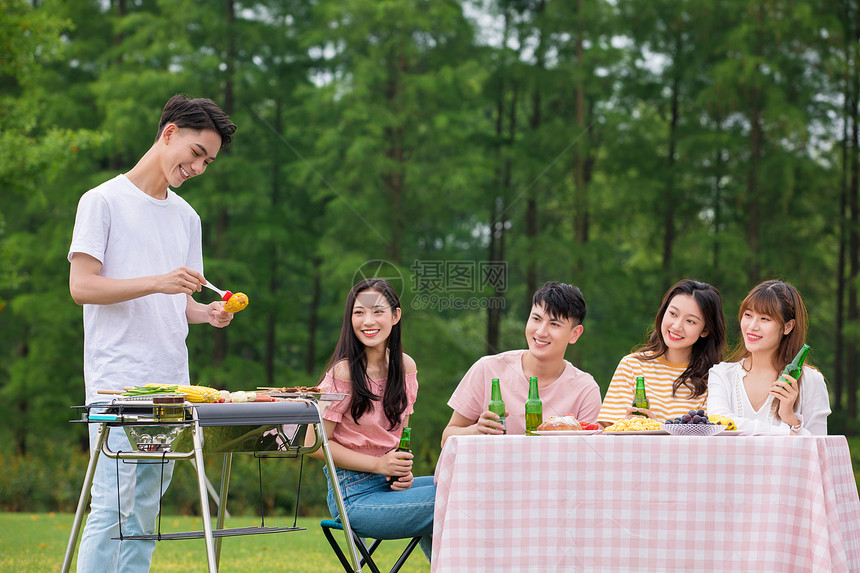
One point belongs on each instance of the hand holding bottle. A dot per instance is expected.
(488, 423)
(634, 412)
(641, 406)
(785, 390)
(394, 464)
(402, 483)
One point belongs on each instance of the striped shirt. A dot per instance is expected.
(659, 376)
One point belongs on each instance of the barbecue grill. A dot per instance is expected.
(186, 431)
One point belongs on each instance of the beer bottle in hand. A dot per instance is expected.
(795, 367)
(640, 400)
(405, 439)
(497, 406)
(534, 408)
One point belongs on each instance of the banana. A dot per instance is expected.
(724, 420)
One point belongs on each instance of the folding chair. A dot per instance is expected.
(366, 552)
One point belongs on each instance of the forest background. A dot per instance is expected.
(466, 150)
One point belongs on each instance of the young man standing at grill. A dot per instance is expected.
(136, 258)
(555, 322)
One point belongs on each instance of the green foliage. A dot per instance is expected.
(617, 145)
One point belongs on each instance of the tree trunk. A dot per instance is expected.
(497, 214)
(313, 317)
(219, 335)
(718, 213)
(20, 428)
(839, 340)
(498, 208)
(392, 180)
(275, 199)
(580, 204)
(853, 259)
(670, 202)
(849, 157)
(756, 152)
(116, 161)
(756, 139)
(531, 204)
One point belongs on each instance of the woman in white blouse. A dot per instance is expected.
(747, 388)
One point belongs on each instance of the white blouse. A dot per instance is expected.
(728, 397)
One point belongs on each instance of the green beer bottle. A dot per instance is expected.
(640, 400)
(794, 367)
(405, 438)
(534, 408)
(497, 406)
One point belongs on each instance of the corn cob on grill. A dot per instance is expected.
(196, 394)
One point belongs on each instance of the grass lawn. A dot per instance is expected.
(37, 543)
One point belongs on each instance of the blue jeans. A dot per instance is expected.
(375, 510)
(139, 493)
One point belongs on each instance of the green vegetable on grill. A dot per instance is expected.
(147, 390)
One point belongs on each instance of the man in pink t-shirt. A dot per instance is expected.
(555, 321)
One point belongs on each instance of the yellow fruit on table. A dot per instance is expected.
(723, 420)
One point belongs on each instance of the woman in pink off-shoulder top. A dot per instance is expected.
(382, 498)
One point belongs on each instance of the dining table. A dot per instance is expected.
(645, 502)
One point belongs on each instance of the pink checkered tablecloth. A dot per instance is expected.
(646, 503)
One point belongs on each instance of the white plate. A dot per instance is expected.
(639, 433)
(567, 432)
(734, 433)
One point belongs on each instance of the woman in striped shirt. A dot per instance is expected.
(689, 337)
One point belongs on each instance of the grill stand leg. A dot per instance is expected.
(222, 507)
(84, 499)
(338, 496)
(197, 434)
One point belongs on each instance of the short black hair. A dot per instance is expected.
(198, 114)
(561, 300)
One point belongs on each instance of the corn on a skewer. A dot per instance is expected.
(236, 302)
(196, 394)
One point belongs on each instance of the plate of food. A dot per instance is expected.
(566, 425)
(706, 429)
(639, 426)
(567, 432)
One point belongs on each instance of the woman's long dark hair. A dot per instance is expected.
(349, 348)
(706, 351)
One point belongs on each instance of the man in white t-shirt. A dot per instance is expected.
(136, 258)
(555, 322)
